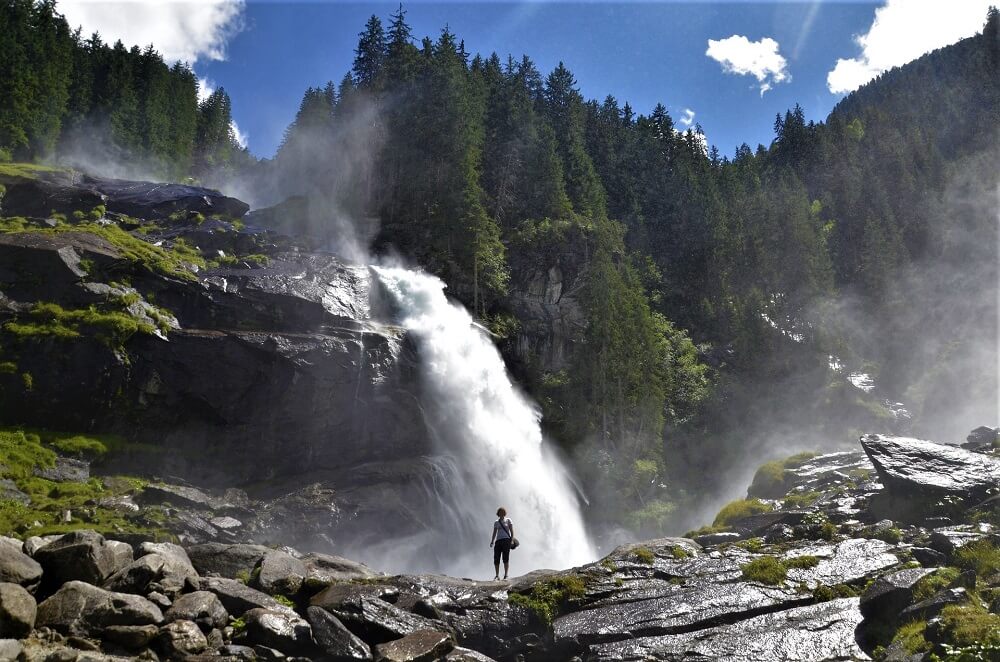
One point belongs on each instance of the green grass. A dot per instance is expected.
(26, 170)
(968, 624)
(911, 638)
(679, 552)
(801, 562)
(643, 555)
(548, 598)
(770, 481)
(825, 593)
(737, 510)
(21, 453)
(981, 556)
(929, 585)
(774, 571)
(80, 445)
(751, 544)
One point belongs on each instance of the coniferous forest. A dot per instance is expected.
(715, 289)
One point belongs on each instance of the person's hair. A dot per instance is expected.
(501, 512)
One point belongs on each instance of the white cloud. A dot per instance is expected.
(189, 30)
(688, 117)
(205, 89)
(902, 31)
(760, 59)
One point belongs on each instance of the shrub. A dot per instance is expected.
(766, 569)
(28, 381)
(736, 510)
(751, 544)
(801, 499)
(891, 535)
(679, 552)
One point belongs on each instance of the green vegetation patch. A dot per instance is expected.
(643, 555)
(934, 582)
(548, 598)
(911, 639)
(824, 593)
(774, 571)
(23, 452)
(969, 624)
(765, 569)
(770, 481)
(113, 328)
(801, 499)
(26, 170)
(80, 445)
(981, 556)
(737, 510)
(173, 262)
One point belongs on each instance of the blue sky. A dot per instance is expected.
(734, 65)
(640, 53)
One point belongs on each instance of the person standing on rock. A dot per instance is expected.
(503, 534)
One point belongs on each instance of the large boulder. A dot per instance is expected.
(377, 621)
(201, 607)
(924, 469)
(237, 597)
(283, 630)
(179, 639)
(165, 564)
(279, 573)
(226, 560)
(334, 639)
(891, 593)
(82, 555)
(81, 609)
(17, 611)
(810, 632)
(420, 646)
(18, 568)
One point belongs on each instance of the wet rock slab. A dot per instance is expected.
(802, 634)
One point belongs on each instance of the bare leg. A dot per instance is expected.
(496, 571)
(505, 566)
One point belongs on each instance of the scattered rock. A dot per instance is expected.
(334, 639)
(420, 646)
(10, 492)
(17, 611)
(323, 570)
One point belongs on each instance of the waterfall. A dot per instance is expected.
(491, 431)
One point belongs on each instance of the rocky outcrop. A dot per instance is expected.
(923, 469)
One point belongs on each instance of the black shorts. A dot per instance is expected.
(501, 548)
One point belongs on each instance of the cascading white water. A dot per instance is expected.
(492, 431)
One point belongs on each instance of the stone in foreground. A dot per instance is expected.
(420, 646)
